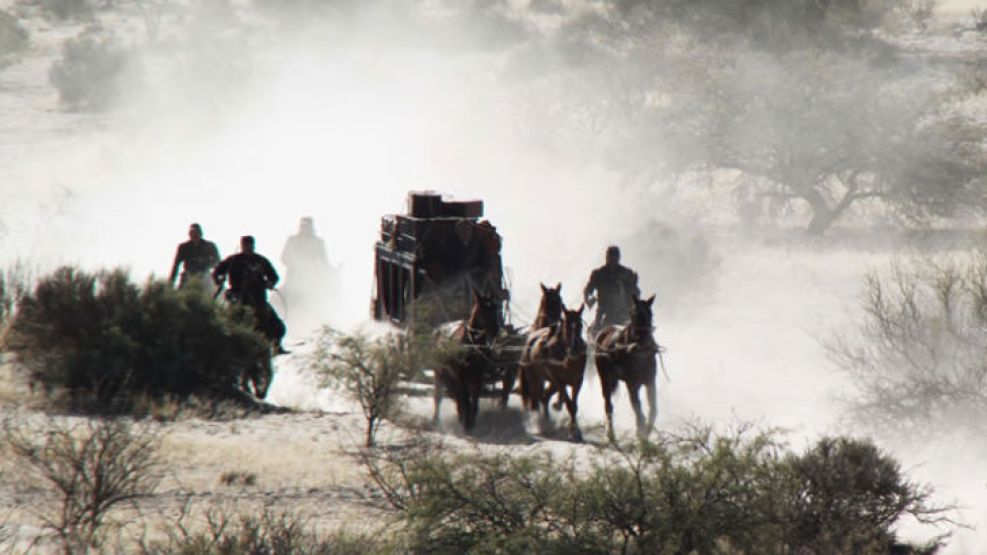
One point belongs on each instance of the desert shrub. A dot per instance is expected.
(700, 493)
(846, 497)
(91, 467)
(92, 71)
(917, 359)
(459, 503)
(14, 38)
(101, 343)
(238, 478)
(231, 532)
(370, 369)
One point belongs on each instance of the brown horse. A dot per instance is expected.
(628, 353)
(550, 308)
(556, 355)
(461, 375)
(549, 315)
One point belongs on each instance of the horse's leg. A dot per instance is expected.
(634, 393)
(437, 386)
(570, 405)
(607, 386)
(577, 384)
(472, 391)
(462, 407)
(554, 390)
(652, 388)
(538, 402)
(262, 378)
(545, 397)
(524, 385)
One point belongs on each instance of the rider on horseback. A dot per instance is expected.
(615, 287)
(251, 275)
(197, 257)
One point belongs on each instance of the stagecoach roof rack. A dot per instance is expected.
(430, 204)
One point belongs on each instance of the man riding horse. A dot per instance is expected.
(197, 257)
(615, 287)
(251, 275)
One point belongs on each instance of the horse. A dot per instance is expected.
(628, 353)
(550, 308)
(257, 377)
(549, 314)
(462, 374)
(266, 319)
(557, 355)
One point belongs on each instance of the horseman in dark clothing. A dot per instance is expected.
(615, 288)
(251, 275)
(197, 258)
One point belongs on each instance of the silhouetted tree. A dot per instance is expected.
(801, 103)
(918, 358)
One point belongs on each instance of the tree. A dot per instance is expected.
(917, 360)
(831, 133)
(369, 370)
(92, 468)
(801, 102)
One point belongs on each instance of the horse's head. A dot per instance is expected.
(572, 326)
(485, 315)
(641, 315)
(550, 309)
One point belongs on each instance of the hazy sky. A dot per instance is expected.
(961, 5)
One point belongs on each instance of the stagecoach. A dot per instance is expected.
(429, 262)
(432, 262)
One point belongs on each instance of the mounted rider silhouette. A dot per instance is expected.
(197, 257)
(615, 287)
(251, 275)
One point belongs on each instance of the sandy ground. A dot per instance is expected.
(305, 462)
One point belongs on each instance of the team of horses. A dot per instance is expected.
(553, 361)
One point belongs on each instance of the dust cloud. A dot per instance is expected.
(338, 118)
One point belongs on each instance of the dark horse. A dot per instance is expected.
(556, 355)
(628, 353)
(548, 316)
(550, 308)
(462, 373)
(255, 379)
